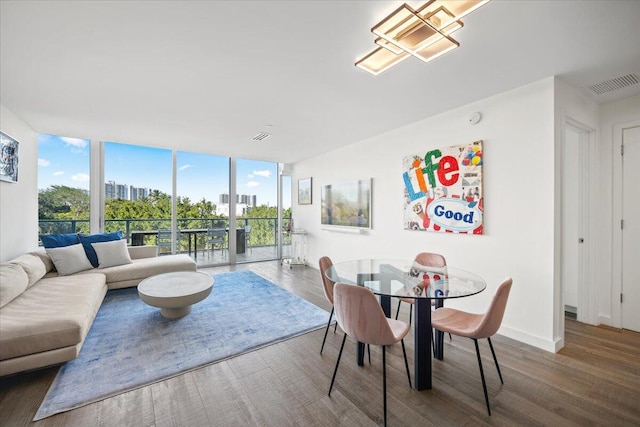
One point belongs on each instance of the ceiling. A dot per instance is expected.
(210, 75)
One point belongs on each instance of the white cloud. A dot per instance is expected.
(185, 167)
(264, 173)
(58, 173)
(252, 184)
(43, 162)
(74, 142)
(80, 177)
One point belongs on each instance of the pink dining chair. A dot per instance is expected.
(325, 264)
(359, 314)
(428, 260)
(476, 326)
(327, 287)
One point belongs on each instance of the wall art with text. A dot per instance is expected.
(443, 190)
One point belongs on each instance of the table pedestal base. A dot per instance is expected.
(175, 313)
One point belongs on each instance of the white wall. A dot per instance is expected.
(19, 201)
(519, 189)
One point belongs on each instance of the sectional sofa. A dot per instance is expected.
(45, 316)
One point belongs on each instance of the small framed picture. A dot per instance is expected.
(304, 191)
(8, 158)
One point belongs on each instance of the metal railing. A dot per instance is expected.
(264, 231)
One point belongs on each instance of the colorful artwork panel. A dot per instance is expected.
(443, 190)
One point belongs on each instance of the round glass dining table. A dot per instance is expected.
(390, 278)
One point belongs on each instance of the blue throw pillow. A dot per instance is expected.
(88, 239)
(59, 240)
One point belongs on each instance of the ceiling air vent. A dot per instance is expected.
(261, 136)
(614, 84)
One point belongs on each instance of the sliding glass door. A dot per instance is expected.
(256, 210)
(202, 188)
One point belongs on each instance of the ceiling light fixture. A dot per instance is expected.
(423, 32)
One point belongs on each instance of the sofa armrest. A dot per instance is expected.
(137, 252)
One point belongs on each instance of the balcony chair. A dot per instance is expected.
(359, 314)
(247, 235)
(217, 237)
(476, 326)
(163, 240)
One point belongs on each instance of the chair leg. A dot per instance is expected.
(384, 382)
(369, 351)
(410, 313)
(406, 364)
(484, 384)
(433, 341)
(326, 330)
(495, 359)
(337, 363)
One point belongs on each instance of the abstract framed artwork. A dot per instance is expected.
(8, 158)
(346, 204)
(443, 190)
(304, 191)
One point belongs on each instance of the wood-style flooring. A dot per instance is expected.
(593, 381)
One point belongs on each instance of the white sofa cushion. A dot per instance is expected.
(130, 274)
(55, 313)
(112, 253)
(32, 265)
(69, 259)
(13, 282)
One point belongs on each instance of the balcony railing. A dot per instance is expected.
(264, 231)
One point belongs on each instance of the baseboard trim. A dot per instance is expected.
(551, 346)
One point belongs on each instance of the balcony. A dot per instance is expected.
(258, 244)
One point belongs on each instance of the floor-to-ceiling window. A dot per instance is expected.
(138, 184)
(257, 210)
(214, 217)
(202, 188)
(287, 224)
(63, 184)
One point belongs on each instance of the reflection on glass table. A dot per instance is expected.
(407, 278)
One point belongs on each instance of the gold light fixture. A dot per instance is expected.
(423, 32)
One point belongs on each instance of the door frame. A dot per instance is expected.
(587, 308)
(616, 253)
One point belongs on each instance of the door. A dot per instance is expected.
(573, 187)
(631, 229)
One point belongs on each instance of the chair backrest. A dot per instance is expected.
(164, 238)
(216, 234)
(493, 317)
(430, 259)
(360, 315)
(327, 284)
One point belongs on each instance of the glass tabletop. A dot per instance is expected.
(407, 278)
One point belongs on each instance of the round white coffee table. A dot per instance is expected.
(174, 293)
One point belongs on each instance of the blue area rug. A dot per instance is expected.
(131, 345)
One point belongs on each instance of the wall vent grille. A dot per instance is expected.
(614, 84)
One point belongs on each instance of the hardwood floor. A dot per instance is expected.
(594, 380)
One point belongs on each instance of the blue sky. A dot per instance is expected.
(65, 161)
